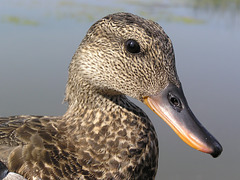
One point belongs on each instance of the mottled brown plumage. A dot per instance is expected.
(102, 135)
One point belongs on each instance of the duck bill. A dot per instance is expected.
(171, 105)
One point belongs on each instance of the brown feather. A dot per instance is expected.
(102, 135)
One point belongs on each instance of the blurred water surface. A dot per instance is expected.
(39, 37)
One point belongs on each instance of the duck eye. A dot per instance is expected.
(132, 46)
(175, 102)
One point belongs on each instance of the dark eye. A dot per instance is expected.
(175, 102)
(132, 46)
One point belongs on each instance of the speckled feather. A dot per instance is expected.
(102, 135)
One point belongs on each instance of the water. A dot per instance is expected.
(38, 39)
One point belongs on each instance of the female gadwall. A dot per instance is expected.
(103, 135)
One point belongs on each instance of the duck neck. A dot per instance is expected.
(95, 102)
(84, 95)
(94, 109)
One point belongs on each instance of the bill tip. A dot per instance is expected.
(217, 150)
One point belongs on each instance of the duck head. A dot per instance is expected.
(126, 54)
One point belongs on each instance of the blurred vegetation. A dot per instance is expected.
(82, 11)
(186, 20)
(19, 21)
(231, 6)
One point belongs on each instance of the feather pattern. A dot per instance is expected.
(102, 135)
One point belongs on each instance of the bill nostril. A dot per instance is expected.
(175, 102)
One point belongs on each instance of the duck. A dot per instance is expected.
(103, 135)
